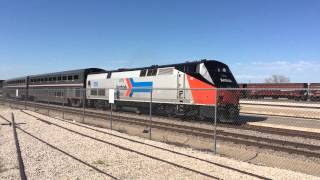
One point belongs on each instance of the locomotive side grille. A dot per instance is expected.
(165, 71)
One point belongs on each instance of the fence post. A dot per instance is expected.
(25, 100)
(9, 100)
(34, 99)
(63, 99)
(150, 114)
(48, 94)
(215, 122)
(83, 103)
(111, 105)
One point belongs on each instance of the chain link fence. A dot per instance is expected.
(185, 117)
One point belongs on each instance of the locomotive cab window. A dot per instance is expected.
(109, 75)
(152, 72)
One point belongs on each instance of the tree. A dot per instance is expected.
(277, 79)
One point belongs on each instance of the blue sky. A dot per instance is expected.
(255, 38)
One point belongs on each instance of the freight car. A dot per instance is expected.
(314, 91)
(186, 89)
(295, 91)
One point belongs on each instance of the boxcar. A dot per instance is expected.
(297, 91)
(314, 89)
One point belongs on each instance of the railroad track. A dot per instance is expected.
(237, 138)
(124, 115)
(281, 104)
(273, 130)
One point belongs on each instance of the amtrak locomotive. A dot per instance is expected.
(185, 89)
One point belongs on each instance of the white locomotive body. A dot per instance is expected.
(179, 89)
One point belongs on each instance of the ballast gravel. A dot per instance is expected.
(54, 149)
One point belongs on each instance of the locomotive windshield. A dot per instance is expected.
(221, 75)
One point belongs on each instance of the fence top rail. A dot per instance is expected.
(149, 88)
(241, 89)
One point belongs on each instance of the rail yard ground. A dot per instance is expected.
(52, 148)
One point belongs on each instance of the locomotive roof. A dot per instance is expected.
(168, 65)
(271, 83)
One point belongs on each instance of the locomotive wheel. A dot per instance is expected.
(170, 110)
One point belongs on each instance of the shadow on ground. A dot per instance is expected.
(251, 118)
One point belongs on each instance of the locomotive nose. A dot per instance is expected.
(229, 96)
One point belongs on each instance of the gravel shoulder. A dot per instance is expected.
(9, 168)
(60, 150)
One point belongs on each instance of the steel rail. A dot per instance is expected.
(280, 105)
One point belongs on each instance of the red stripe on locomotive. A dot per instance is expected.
(202, 96)
(129, 86)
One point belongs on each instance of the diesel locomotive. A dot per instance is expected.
(185, 89)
